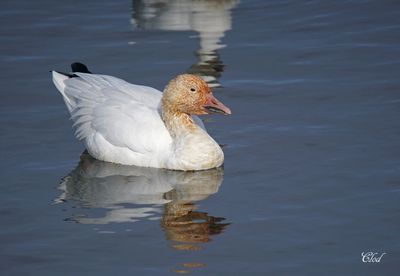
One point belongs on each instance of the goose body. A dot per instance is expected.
(137, 125)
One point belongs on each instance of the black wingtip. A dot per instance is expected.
(78, 67)
(65, 74)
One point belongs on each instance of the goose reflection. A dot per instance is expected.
(132, 194)
(209, 18)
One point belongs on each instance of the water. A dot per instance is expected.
(312, 172)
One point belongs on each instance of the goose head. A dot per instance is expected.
(191, 95)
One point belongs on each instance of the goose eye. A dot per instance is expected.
(192, 89)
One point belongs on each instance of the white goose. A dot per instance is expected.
(137, 125)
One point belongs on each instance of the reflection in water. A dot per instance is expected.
(210, 18)
(183, 224)
(132, 194)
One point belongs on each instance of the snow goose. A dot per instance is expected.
(137, 125)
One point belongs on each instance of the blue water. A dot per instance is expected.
(312, 171)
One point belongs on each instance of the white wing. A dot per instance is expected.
(126, 115)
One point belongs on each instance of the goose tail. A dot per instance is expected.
(59, 79)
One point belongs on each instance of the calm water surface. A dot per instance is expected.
(312, 172)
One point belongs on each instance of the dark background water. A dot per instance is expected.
(312, 172)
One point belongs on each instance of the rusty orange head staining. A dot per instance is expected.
(191, 95)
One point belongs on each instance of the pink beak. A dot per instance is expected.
(215, 106)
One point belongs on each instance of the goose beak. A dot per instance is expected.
(215, 106)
